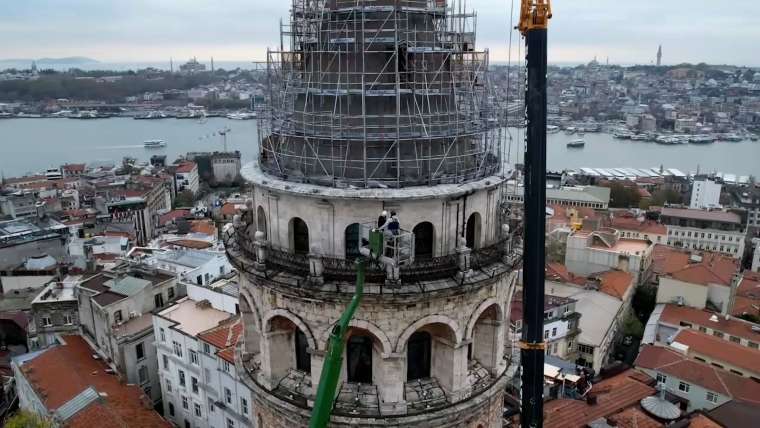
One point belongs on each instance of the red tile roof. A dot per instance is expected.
(631, 223)
(747, 299)
(720, 350)
(62, 372)
(229, 209)
(675, 364)
(674, 314)
(701, 421)
(716, 268)
(634, 417)
(616, 394)
(719, 216)
(74, 167)
(186, 167)
(558, 272)
(173, 215)
(205, 227)
(615, 283)
(225, 337)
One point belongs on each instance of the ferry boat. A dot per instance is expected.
(575, 144)
(154, 144)
(701, 139)
(639, 137)
(552, 129)
(241, 116)
(152, 115)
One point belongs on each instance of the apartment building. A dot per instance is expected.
(721, 231)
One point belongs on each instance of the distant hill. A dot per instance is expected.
(72, 61)
(67, 60)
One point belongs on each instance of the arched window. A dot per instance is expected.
(486, 342)
(418, 351)
(303, 359)
(352, 241)
(359, 359)
(261, 221)
(472, 234)
(299, 236)
(423, 240)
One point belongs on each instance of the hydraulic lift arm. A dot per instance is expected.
(534, 21)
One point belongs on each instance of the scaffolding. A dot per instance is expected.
(379, 93)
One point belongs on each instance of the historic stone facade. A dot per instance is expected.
(379, 110)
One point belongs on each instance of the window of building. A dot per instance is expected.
(554, 331)
(197, 410)
(702, 329)
(166, 361)
(718, 334)
(46, 321)
(225, 366)
(158, 300)
(585, 349)
(184, 402)
(181, 378)
(683, 386)
(211, 405)
(737, 372)
(171, 409)
(734, 339)
(661, 378)
(67, 319)
(206, 348)
(178, 349)
(720, 366)
(712, 397)
(685, 324)
(700, 359)
(187, 424)
(193, 356)
(243, 406)
(170, 293)
(227, 396)
(168, 385)
(142, 374)
(230, 423)
(140, 351)
(752, 345)
(546, 334)
(554, 348)
(194, 384)
(162, 334)
(117, 316)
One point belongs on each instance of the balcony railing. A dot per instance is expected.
(242, 253)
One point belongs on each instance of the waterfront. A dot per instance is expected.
(30, 145)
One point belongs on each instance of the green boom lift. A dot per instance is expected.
(328, 380)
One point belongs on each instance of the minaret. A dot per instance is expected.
(171, 65)
(212, 64)
(351, 140)
(659, 56)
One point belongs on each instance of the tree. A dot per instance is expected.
(25, 419)
(644, 302)
(633, 327)
(663, 196)
(622, 196)
(184, 198)
(555, 250)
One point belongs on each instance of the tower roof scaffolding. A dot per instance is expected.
(382, 93)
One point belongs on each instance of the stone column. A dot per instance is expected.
(464, 261)
(260, 247)
(390, 384)
(316, 266)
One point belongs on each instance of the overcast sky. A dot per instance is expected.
(626, 31)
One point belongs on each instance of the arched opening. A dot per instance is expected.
(472, 232)
(352, 241)
(251, 333)
(299, 236)
(287, 347)
(261, 221)
(359, 359)
(487, 344)
(423, 240)
(418, 351)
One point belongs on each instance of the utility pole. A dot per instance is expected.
(534, 19)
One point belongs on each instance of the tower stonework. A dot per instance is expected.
(377, 106)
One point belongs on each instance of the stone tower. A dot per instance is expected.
(377, 105)
(659, 56)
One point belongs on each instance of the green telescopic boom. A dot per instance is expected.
(328, 380)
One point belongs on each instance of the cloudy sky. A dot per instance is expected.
(626, 31)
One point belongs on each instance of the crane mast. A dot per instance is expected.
(534, 20)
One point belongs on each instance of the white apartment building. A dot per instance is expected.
(196, 341)
(560, 326)
(756, 256)
(226, 166)
(194, 266)
(720, 231)
(186, 177)
(705, 194)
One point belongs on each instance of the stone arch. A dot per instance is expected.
(248, 301)
(261, 221)
(473, 231)
(422, 322)
(424, 240)
(482, 307)
(372, 328)
(295, 319)
(298, 236)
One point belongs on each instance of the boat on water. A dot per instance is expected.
(570, 130)
(639, 137)
(151, 115)
(754, 137)
(85, 114)
(701, 139)
(241, 116)
(154, 144)
(576, 144)
(552, 129)
(731, 137)
(622, 134)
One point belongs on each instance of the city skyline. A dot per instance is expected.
(144, 31)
